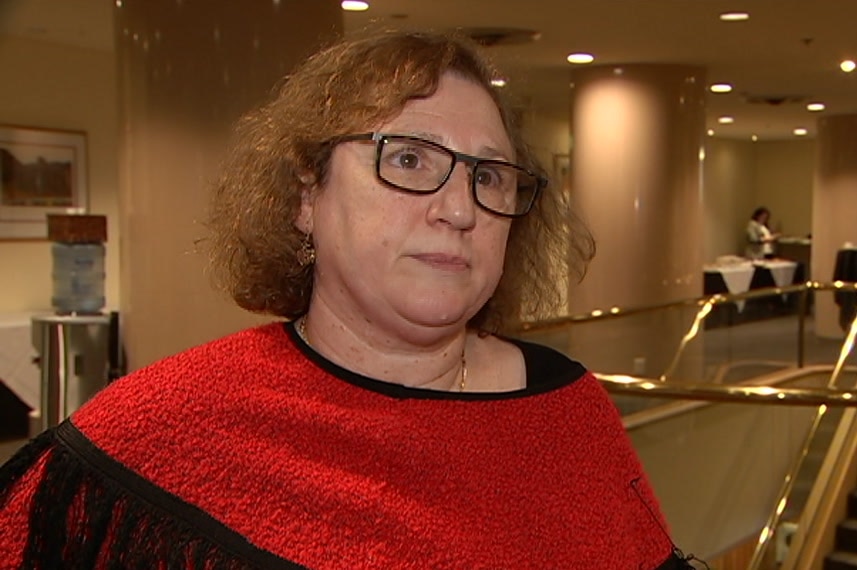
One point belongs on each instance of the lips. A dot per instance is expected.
(443, 261)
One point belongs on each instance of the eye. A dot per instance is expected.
(489, 177)
(407, 159)
(408, 156)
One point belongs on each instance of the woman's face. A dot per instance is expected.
(411, 264)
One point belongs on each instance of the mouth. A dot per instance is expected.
(443, 261)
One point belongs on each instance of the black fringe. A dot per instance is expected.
(14, 468)
(82, 519)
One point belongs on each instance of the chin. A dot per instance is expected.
(432, 313)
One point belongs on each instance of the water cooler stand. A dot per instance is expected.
(74, 361)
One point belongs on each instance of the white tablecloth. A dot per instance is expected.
(737, 278)
(782, 271)
(17, 370)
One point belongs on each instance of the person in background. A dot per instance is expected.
(386, 209)
(760, 239)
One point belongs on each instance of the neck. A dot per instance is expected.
(437, 365)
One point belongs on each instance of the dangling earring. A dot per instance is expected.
(306, 254)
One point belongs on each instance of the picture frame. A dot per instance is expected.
(42, 171)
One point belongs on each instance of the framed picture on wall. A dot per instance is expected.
(42, 171)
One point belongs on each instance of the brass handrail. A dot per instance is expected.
(716, 299)
(662, 388)
(743, 394)
(703, 312)
(847, 347)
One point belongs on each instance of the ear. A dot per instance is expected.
(304, 218)
(308, 193)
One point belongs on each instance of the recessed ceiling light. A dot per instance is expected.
(754, 138)
(848, 66)
(720, 88)
(734, 16)
(815, 107)
(725, 120)
(800, 132)
(498, 82)
(711, 132)
(580, 58)
(354, 5)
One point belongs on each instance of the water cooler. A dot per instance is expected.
(75, 345)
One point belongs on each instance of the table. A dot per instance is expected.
(20, 378)
(17, 369)
(736, 279)
(846, 270)
(741, 277)
(782, 271)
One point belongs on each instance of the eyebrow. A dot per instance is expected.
(488, 152)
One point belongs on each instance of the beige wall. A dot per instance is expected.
(729, 174)
(548, 135)
(784, 175)
(62, 87)
(739, 176)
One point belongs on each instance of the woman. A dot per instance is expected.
(760, 239)
(385, 201)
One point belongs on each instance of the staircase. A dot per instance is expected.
(844, 557)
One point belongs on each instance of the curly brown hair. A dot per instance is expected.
(285, 146)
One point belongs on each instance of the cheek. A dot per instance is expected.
(498, 234)
(493, 247)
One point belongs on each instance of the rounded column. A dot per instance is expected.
(637, 149)
(834, 202)
(637, 134)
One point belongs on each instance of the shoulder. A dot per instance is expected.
(546, 368)
(192, 383)
(233, 351)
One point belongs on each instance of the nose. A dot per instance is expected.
(453, 204)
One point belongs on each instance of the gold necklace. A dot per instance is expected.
(301, 328)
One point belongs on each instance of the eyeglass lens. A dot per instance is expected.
(422, 166)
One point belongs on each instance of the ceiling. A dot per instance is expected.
(786, 55)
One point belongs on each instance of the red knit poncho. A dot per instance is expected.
(254, 451)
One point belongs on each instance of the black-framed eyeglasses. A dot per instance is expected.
(419, 166)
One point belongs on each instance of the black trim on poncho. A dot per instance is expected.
(121, 520)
